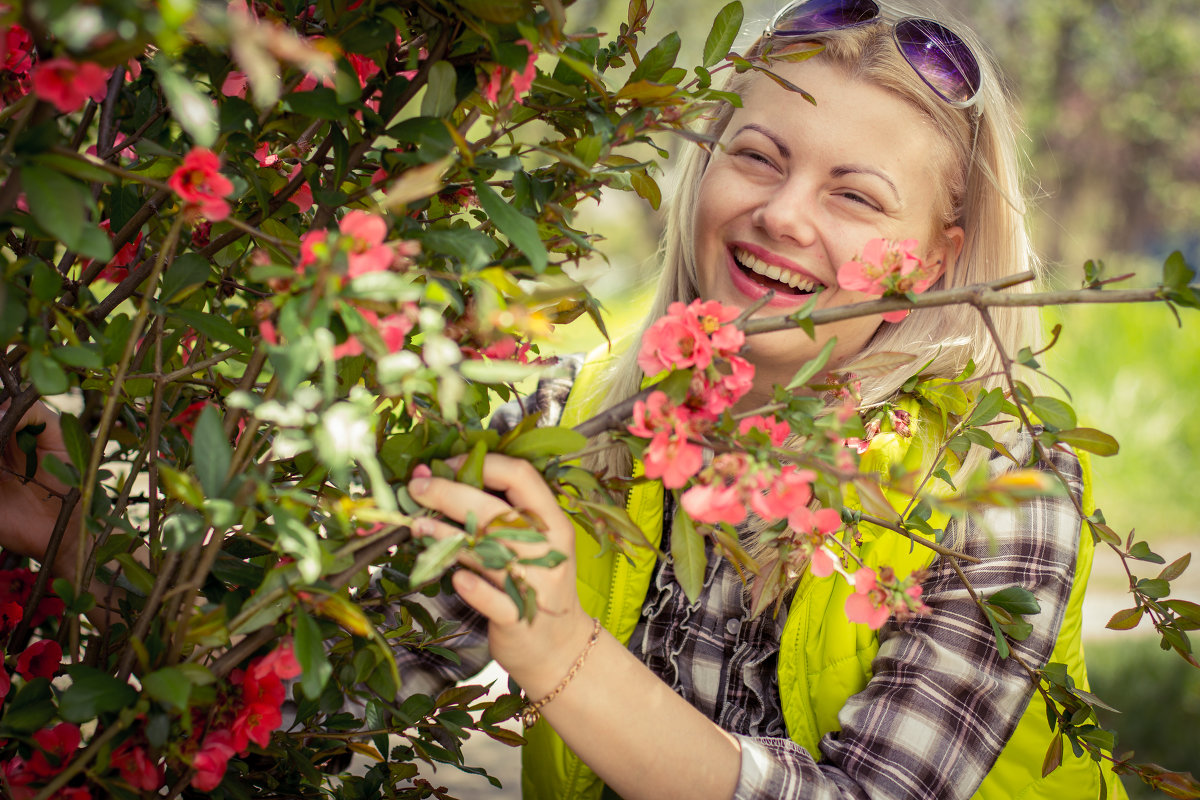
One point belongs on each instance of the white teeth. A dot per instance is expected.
(772, 271)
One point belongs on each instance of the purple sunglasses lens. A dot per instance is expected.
(941, 58)
(817, 16)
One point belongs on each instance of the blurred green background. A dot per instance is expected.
(1110, 95)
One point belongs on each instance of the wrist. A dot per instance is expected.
(539, 670)
(533, 703)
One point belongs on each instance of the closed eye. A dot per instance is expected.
(861, 200)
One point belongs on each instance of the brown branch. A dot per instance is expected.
(953, 555)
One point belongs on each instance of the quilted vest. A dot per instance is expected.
(823, 658)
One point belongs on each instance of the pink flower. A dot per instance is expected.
(303, 196)
(314, 246)
(714, 503)
(522, 81)
(16, 45)
(185, 421)
(689, 336)
(711, 397)
(364, 68)
(804, 521)
(823, 562)
(776, 494)
(673, 458)
(234, 84)
(211, 760)
(777, 430)
(365, 233)
(200, 184)
(280, 662)
(887, 267)
(68, 84)
(868, 603)
(264, 155)
(40, 660)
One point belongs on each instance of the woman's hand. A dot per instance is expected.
(538, 652)
(29, 509)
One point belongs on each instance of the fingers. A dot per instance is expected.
(486, 598)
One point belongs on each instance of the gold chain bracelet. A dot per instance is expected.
(531, 712)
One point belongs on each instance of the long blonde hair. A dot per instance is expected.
(982, 193)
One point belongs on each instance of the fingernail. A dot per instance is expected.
(418, 485)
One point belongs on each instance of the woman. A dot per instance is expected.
(701, 700)
(910, 136)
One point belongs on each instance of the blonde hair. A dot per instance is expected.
(982, 193)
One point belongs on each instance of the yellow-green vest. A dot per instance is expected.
(823, 658)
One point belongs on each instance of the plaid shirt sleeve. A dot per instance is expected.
(941, 704)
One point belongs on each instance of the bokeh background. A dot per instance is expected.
(1110, 93)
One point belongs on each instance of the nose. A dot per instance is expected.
(788, 213)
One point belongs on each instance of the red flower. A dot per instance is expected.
(185, 420)
(254, 723)
(16, 45)
(365, 233)
(211, 760)
(777, 430)
(714, 503)
(200, 184)
(234, 84)
(56, 746)
(40, 660)
(137, 768)
(303, 196)
(67, 84)
(5, 679)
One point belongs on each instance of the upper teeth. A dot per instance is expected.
(776, 273)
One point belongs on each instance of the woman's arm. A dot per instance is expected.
(624, 722)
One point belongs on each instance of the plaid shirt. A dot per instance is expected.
(940, 705)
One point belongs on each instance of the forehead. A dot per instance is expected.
(851, 119)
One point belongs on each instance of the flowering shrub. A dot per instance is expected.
(269, 259)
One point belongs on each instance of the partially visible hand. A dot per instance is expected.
(536, 653)
(30, 508)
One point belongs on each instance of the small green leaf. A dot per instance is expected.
(989, 405)
(809, 370)
(185, 273)
(212, 326)
(725, 29)
(1054, 755)
(1126, 619)
(47, 375)
(30, 708)
(1015, 600)
(169, 686)
(1091, 440)
(656, 62)
(545, 442)
(56, 202)
(93, 693)
(439, 90)
(193, 110)
(77, 441)
(211, 451)
(1053, 412)
(521, 230)
(315, 669)
(687, 552)
(1154, 588)
(437, 558)
(1175, 568)
(1142, 552)
(1002, 649)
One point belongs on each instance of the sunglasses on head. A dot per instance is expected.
(935, 52)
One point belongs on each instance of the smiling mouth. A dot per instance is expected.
(772, 276)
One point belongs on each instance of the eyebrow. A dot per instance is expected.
(850, 169)
(837, 172)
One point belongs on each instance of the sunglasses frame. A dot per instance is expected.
(972, 81)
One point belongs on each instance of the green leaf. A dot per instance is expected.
(315, 669)
(725, 29)
(56, 202)
(139, 577)
(93, 693)
(76, 440)
(989, 405)
(439, 98)
(1091, 440)
(1186, 609)
(656, 62)
(47, 375)
(185, 273)
(212, 326)
(1154, 588)
(192, 109)
(687, 552)
(490, 371)
(1126, 619)
(1053, 412)
(1142, 552)
(211, 452)
(1054, 755)
(30, 709)
(1002, 649)
(1176, 568)
(182, 529)
(169, 686)
(521, 230)
(1015, 600)
(301, 543)
(437, 558)
(545, 442)
(82, 356)
(809, 370)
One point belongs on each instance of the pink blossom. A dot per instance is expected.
(137, 768)
(673, 458)
(303, 196)
(805, 521)
(264, 155)
(522, 81)
(68, 84)
(314, 246)
(16, 45)
(199, 182)
(365, 233)
(234, 84)
(887, 267)
(364, 68)
(714, 503)
(868, 604)
(777, 494)
(777, 430)
(823, 562)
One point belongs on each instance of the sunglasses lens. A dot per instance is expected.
(941, 58)
(817, 16)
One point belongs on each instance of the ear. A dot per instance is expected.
(945, 252)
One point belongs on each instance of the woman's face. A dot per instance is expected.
(801, 189)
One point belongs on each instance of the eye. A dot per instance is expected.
(755, 156)
(861, 199)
